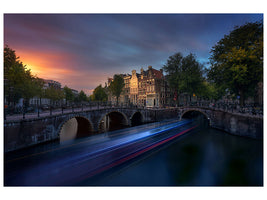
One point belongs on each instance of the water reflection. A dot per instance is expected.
(211, 157)
(205, 158)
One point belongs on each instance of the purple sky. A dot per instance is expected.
(83, 50)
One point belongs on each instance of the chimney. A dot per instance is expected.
(149, 67)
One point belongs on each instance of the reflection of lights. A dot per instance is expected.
(137, 153)
(115, 144)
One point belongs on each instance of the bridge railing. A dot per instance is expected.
(24, 112)
(42, 111)
(249, 109)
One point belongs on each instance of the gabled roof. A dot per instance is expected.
(158, 74)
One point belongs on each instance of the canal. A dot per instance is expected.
(202, 157)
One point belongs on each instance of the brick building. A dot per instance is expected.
(147, 88)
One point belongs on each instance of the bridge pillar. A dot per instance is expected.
(106, 122)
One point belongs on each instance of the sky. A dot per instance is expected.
(83, 50)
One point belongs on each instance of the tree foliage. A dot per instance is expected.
(116, 86)
(99, 94)
(18, 80)
(82, 96)
(185, 74)
(174, 69)
(69, 96)
(237, 61)
(54, 94)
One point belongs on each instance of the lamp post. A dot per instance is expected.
(38, 113)
(23, 109)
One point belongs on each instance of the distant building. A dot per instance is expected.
(51, 83)
(75, 92)
(148, 89)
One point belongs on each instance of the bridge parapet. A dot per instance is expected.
(25, 132)
(242, 124)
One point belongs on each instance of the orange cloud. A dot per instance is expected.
(62, 67)
(46, 64)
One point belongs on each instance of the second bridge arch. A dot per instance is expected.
(113, 121)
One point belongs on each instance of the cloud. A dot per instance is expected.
(82, 50)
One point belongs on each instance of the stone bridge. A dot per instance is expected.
(22, 133)
(27, 132)
(235, 123)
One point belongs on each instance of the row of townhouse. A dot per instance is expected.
(148, 88)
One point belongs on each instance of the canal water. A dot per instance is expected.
(205, 157)
(202, 158)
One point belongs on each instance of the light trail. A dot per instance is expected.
(139, 152)
(91, 139)
(72, 165)
(127, 140)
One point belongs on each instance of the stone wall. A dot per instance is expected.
(237, 124)
(28, 132)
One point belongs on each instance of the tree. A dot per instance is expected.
(82, 96)
(173, 69)
(13, 76)
(209, 91)
(184, 74)
(116, 86)
(18, 80)
(69, 96)
(99, 94)
(237, 61)
(39, 88)
(54, 94)
(191, 76)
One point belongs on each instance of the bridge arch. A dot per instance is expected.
(75, 127)
(137, 118)
(113, 120)
(198, 114)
